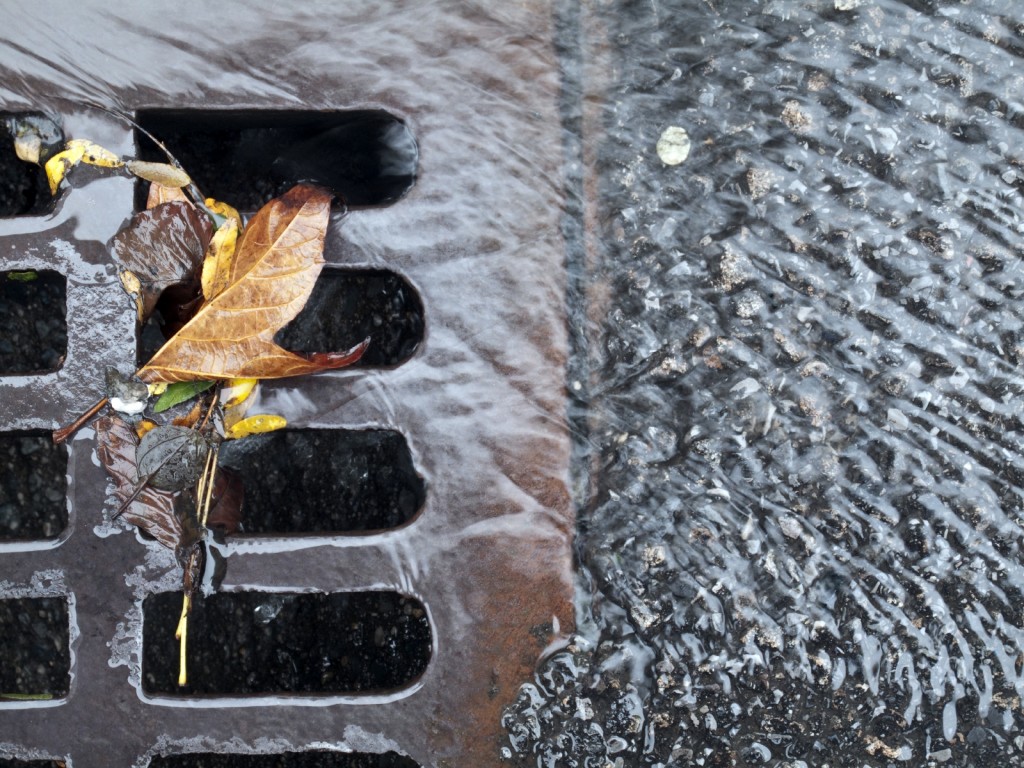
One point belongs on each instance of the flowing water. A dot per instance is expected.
(795, 389)
(800, 544)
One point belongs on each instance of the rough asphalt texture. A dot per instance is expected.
(802, 545)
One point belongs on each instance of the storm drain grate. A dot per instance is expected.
(413, 520)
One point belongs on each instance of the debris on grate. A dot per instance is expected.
(33, 317)
(366, 157)
(35, 647)
(325, 481)
(33, 484)
(13, 763)
(310, 759)
(245, 643)
(347, 306)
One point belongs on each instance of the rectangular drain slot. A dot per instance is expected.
(349, 305)
(33, 316)
(13, 763)
(311, 759)
(35, 648)
(245, 158)
(33, 486)
(325, 481)
(249, 643)
(25, 191)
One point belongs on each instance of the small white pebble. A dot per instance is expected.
(674, 145)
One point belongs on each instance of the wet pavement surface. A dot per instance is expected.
(800, 541)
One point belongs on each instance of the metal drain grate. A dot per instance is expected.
(482, 548)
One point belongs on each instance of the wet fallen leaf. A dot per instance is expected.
(172, 458)
(160, 248)
(78, 151)
(94, 154)
(225, 211)
(159, 194)
(162, 173)
(191, 418)
(237, 391)
(152, 510)
(179, 392)
(36, 137)
(255, 425)
(58, 165)
(217, 264)
(276, 263)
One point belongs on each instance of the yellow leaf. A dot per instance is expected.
(161, 173)
(159, 194)
(145, 426)
(58, 165)
(237, 391)
(158, 388)
(225, 210)
(255, 425)
(217, 264)
(94, 154)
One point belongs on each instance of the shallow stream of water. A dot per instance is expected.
(800, 542)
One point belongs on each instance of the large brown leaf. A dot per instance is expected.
(276, 263)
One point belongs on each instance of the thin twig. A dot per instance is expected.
(62, 434)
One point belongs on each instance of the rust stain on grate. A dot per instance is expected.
(480, 403)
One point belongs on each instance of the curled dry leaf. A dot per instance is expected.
(275, 266)
(159, 248)
(152, 510)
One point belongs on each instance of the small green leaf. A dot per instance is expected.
(179, 392)
(23, 277)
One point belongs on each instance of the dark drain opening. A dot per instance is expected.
(244, 643)
(325, 481)
(245, 158)
(24, 190)
(347, 306)
(33, 486)
(33, 319)
(35, 656)
(312, 759)
(5, 763)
